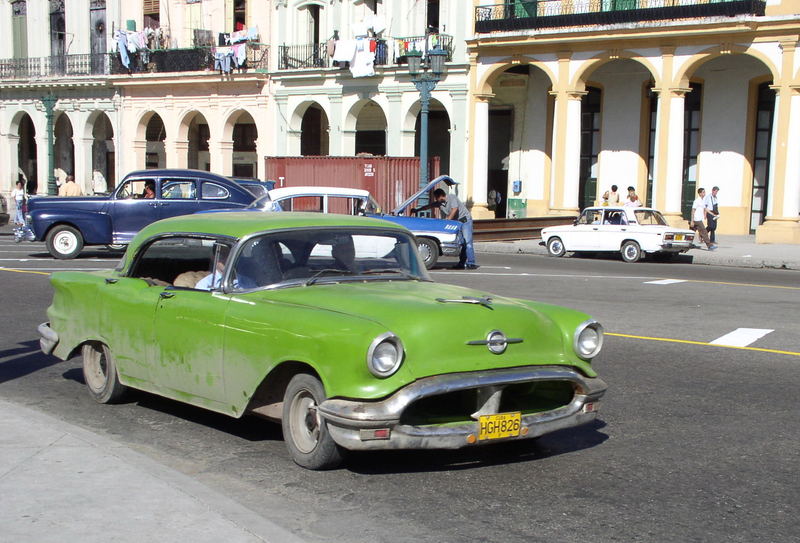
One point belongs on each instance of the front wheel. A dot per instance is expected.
(631, 252)
(429, 251)
(304, 430)
(116, 247)
(64, 242)
(100, 374)
(555, 247)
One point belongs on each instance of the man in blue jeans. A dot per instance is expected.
(454, 209)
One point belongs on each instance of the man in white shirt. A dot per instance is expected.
(699, 213)
(712, 213)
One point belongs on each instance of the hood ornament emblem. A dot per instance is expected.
(485, 302)
(496, 342)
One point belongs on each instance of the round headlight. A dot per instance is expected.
(588, 339)
(385, 355)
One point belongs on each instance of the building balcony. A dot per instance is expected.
(526, 15)
(388, 52)
(105, 64)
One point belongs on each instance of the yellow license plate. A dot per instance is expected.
(678, 237)
(500, 425)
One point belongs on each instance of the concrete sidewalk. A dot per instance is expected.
(61, 483)
(736, 251)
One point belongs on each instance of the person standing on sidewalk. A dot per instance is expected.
(699, 214)
(454, 209)
(712, 214)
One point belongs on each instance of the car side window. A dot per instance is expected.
(134, 189)
(178, 189)
(179, 261)
(591, 216)
(213, 191)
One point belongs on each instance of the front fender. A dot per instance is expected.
(94, 226)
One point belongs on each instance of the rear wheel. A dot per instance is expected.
(100, 374)
(555, 247)
(304, 430)
(631, 252)
(429, 251)
(64, 242)
(116, 247)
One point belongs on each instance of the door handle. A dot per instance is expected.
(624, 229)
(594, 228)
(110, 280)
(165, 294)
(153, 204)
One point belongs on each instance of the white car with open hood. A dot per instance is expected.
(630, 231)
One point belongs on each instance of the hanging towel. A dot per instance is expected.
(345, 51)
(122, 46)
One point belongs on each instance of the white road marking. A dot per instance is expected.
(665, 282)
(741, 337)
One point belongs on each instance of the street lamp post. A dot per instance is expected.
(425, 74)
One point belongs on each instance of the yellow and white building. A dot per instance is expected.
(662, 95)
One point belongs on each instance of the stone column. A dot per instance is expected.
(782, 223)
(139, 159)
(478, 175)
(458, 136)
(221, 155)
(565, 171)
(261, 152)
(9, 155)
(42, 167)
(83, 163)
(394, 124)
(177, 153)
(336, 127)
(668, 159)
(281, 135)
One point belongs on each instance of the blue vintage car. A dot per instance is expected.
(67, 224)
(435, 237)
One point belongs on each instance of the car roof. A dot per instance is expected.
(178, 172)
(241, 223)
(619, 208)
(283, 192)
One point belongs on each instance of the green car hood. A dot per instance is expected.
(436, 335)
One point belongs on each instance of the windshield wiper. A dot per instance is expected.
(324, 271)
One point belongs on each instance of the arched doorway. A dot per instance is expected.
(155, 134)
(438, 134)
(245, 136)
(198, 156)
(371, 130)
(64, 148)
(103, 157)
(590, 148)
(27, 155)
(314, 137)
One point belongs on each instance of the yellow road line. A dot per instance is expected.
(24, 271)
(670, 340)
(740, 284)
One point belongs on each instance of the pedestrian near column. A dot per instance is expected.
(712, 213)
(454, 209)
(20, 199)
(611, 197)
(70, 188)
(699, 214)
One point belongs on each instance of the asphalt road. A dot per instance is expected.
(695, 442)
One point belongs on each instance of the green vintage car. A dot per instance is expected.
(329, 324)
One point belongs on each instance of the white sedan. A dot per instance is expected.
(630, 231)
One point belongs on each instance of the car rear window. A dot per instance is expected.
(212, 191)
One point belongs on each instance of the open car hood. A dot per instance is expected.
(449, 181)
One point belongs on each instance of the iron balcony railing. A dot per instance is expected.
(387, 52)
(102, 64)
(524, 14)
(56, 66)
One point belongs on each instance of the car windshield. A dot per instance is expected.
(650, 217)
(312, 255)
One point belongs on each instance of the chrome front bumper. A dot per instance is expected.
(48, 339)
(352, 424)
(451, 248)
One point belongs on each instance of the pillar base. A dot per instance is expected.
(564, 211)
(779, 231)
(676, 220)
(481, 211)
